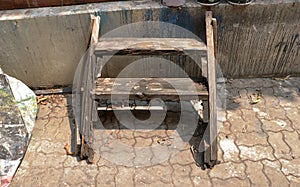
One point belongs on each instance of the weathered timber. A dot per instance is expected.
(88, 106)
(148, 46)
(149, 88)
(149, 108)
(211, 152)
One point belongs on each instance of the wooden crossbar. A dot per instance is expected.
(173, 89)
(148, 46)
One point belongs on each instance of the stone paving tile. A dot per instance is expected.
(125, 176)
(220, 152)
(293, 81)
(274, 174)
(181, 175)
(64, 127)
(199, 177)
(228, 148)
(254, 172)
(284, 90)
(244, 121)
(182, 158)
(294, 181)
(225, 128)
(277, 125)
(106, 176)
(52, 176)
(252, 138)
(230, 182)
(258, 145)
(293, 140)
(143, 142)
(271, 101)
(51, 129)
(154, 175)
(281, 148)
(275, 113)
(229, 170)
(34, 178)
(286, 102)
(256, 152)
(48, 147)
(239, 97)
(293, 115)
(50, 160)
(291, 167)
(74, 176)
(44, 113)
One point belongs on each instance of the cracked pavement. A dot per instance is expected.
(259, 145)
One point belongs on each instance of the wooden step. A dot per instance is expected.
(172, 89)
(121, 108)
(149, 46)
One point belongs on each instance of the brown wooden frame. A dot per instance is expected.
(152, 46)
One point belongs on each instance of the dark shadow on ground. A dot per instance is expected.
(75, 145)
(240, 92)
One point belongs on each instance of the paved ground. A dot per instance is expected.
(258, 145)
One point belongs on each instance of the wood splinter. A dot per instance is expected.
(68, 150)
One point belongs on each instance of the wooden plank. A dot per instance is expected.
(64, 90)
(95, 30)
(150, 108)
(148, 46)
(89, 112)
(212, 87)
(215, 32)
(93, 41)
(205, 111)
(149, 88)
(204, 66)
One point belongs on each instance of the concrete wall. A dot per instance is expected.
(42, 47)
(15, 4)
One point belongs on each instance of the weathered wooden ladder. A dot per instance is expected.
(147, 88)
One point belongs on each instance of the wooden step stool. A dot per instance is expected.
(149, 88)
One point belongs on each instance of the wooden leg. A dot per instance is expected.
(86, 151)
(197, 146)
(209, 143)
(211, 152)
(210, 137)
(199, 151)
(205, 111)
(88, 105)
(206, 154)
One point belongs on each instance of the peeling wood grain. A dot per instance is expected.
(149, 88)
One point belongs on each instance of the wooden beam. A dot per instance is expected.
(149, 88)
(148, 46)
(95, 29)
(88, 106)
(212, 88)
(121, 108)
